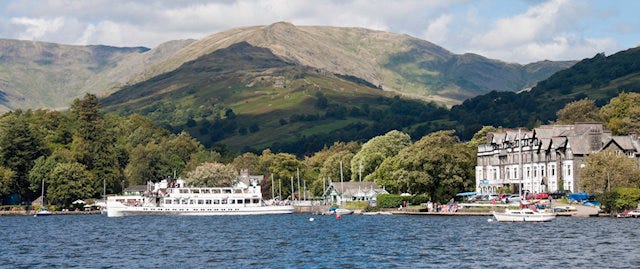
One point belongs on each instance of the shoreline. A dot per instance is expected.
(33, 212)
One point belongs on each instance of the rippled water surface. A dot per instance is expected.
(292, 241)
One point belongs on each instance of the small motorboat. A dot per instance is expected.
(343, 211)
(524, 215)
(43, 212)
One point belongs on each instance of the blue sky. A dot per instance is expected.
(520, 31)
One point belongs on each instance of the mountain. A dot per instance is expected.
(48, 75)
(394, 62)
(599, 78)
(248, 98)
(296, 88)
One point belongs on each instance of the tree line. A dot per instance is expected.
(81, 153)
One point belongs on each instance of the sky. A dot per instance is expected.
(521, 31)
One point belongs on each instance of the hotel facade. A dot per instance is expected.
(546, 159)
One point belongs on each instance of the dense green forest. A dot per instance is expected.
(77, 152)
(599, 79)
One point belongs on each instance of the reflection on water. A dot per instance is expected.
(292, 241)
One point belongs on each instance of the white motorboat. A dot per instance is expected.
(524, 215)
(43, 212)
(176, 199)
(343, 211)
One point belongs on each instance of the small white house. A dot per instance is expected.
(341, 192)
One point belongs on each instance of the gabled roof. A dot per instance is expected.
(625, 142)
(352, 188)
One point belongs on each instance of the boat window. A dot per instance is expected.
(227, 190)
(240, 201)
(256, 201)
(206, 191)
(237, 191)
(168, 201)
(184, 191)
(191, 202)
(216, 190)
(224, 201)
(201, 202)
(247, 201)
(195, 191)
(208, 202)
(233, 201)
(216, 201)
(184, 202)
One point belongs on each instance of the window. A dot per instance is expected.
(553, 170)
(206, 191)
(201, 202)
(208, 202)
(195, 191)
(247, 201)
(167, 201)
(568, 170)
(216, 202)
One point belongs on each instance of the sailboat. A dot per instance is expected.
(43, 210)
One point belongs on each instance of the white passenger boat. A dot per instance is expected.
(523, 215)
(164, 198)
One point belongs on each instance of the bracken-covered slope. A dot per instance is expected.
(393, 62)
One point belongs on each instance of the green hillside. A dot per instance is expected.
(247, 98)
(599, 78)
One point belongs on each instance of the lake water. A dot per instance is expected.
(292, 241)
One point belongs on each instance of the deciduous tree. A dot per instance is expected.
(606, 170)
(69, 182)
(376, 150)
(212, 175)
(584, 110)
(623, 113)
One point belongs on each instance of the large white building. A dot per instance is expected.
(546, 159)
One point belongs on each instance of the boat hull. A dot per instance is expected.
(124, 211)
(517, 216)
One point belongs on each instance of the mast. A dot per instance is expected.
(42, 192)
(298, 175)
(341, 184)
(273, 193)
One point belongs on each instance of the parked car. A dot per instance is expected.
(559, 194)
(538, 196)
(513, 198)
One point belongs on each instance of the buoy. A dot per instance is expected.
(337, 216)
(489, 220)
(311, 219)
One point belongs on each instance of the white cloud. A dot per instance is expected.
(539, 21)
(547, 29)
(437, 31)
(37, 28)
